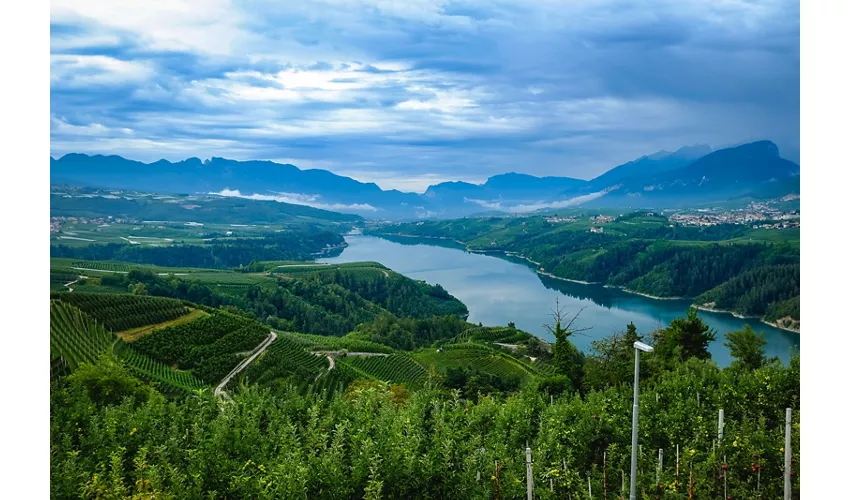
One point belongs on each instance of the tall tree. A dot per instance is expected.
(747, 347)
(685, 338)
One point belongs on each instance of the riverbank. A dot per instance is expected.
(550, 275)
(645, 294)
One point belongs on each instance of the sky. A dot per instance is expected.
(415, 92)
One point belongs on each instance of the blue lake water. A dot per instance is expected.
(497, 290)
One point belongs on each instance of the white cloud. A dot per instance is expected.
(531, 207)
(310, 200)
(212, 27)
(82, 70)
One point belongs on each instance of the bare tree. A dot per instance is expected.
(558, 317)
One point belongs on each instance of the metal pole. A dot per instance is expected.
(788, 454)
(633, 483)
(530, 480)
(589, 491)
(720, 427)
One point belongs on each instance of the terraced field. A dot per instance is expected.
(75, 336)
(328, 343)
(286, 358)
(396, 368)
(475, 356)
(122, 312)
(154, 371)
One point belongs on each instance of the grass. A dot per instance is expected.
(134, 334)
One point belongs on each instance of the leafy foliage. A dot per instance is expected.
(430, 444)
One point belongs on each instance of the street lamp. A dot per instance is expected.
(639, 346)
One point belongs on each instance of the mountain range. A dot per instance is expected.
(689, 176)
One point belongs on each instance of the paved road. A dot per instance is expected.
(244, 364)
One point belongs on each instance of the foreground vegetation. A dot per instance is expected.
(374, 441)
(377, 387)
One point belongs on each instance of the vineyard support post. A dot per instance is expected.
(528, 471)
(787, 454)
(660, 466)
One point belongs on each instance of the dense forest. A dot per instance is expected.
(640, 252)
(332, 302)
(295, 244)
(755, 290)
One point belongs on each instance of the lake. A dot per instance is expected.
(498, 290)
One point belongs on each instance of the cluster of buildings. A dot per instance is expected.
(559, 220)
(778, 225)
(755, 214)
(602, 219)
(56, 223)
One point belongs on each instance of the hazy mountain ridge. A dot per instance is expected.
(692, 174)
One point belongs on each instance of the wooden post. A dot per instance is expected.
(589, 491)
(787, 454)
(698, 399)
(551, 485)
(551, 400)
(677, 464)
(528, 471)
(656, 397)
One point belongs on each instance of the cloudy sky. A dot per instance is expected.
(409, 93)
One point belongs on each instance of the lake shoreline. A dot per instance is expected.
(499, 291)
(745, 316)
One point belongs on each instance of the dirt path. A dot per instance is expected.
(68, 285)
(360, 354)
(219, 390)
(332, 364)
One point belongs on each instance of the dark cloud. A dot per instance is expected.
(428, 88)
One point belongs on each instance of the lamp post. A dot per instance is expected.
(639, 346)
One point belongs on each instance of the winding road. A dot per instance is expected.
(219, 390)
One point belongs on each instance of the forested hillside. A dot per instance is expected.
(220, 253)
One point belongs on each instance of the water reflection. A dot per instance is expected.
(498, 290)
